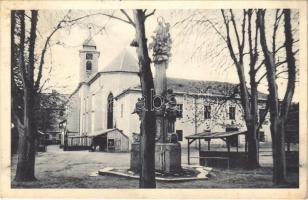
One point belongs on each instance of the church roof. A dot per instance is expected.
(124, 62)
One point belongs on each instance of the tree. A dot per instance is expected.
(249, 101)
(278, 110)
(25, 84)
(26, 147)
(147, 148)
(32, 88)
(51, 111)
(233, 39)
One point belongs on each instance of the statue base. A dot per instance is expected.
(167, 157)
(135, 165)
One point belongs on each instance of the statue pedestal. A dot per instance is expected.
(135, 157)
(167, 157)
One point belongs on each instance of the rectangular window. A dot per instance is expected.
(261, 136)
(207, 112)
(179, 108)
(179, 134)
(89, 56)
(231, 112)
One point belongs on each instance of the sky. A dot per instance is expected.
(198, 52)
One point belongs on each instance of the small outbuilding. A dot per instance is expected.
(110, 140)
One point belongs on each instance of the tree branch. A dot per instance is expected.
(128, 18)
(151, 13)
(235, 30)
(42, 60)
(229, 44)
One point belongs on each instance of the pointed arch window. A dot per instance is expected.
(89, 65)
(110, 111)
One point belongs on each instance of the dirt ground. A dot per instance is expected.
(71, 169)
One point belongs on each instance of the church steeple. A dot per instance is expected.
(88, 58)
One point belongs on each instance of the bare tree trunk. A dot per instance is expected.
(253, 156)
(278, 113)
(273, 103)
(147, 150)
(249, 105)
(252, 122)
(279, 161)
(195, 115)
(26, 150)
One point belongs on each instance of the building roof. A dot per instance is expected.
(214, 88)
(105, 132)
(124, 62)
(215, 135)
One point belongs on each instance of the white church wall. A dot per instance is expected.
(83, 92)
(93, 101)
(119, 107)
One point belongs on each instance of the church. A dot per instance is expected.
(104, 100)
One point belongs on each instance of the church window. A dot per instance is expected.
(110, 111)
(179, 134)
(180, 110)
(231, 112)
(207, 112)
(89, 65)
(89, 56)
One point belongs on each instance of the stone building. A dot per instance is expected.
(106, 99)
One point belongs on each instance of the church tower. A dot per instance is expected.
(88, 58)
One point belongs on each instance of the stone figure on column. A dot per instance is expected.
(161, 44)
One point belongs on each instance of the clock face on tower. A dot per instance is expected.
(89, 56)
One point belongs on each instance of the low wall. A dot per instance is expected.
(236, 159)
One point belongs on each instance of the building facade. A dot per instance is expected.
(106, 99)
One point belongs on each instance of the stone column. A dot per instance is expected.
(167, 154)
(160, 91)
